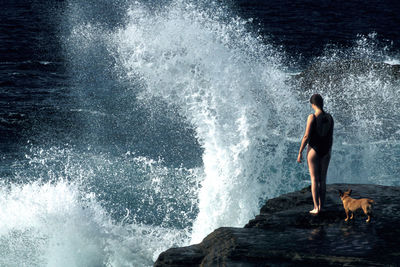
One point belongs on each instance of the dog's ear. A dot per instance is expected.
(350, 191)
(340, 193)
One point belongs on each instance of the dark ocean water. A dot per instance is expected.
(129, 127)
(305, 28)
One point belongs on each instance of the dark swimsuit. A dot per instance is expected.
(321, 137)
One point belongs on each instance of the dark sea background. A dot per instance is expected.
(128, 127)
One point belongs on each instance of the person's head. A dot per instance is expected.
(316, 99)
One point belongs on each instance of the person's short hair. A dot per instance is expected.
(317, 100)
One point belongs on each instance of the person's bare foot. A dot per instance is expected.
(314, 211)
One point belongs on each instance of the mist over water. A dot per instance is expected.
(180, 120)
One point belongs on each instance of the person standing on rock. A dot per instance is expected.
(319, 136)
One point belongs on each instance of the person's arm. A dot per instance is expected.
(306, 136)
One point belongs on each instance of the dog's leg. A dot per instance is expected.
(366, 210)
(352, 215)
(347, 215)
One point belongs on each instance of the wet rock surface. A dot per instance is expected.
(285, 234)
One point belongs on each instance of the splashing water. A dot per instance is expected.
(66, 217)
(229, 86)
(233, 90)
(154, 80)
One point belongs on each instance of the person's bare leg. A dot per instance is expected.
(324, 164)
(313, 166)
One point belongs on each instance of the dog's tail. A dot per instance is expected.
(371, 201)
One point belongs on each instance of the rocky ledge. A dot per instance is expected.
(285, 234)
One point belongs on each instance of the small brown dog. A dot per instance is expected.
(351, 204)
